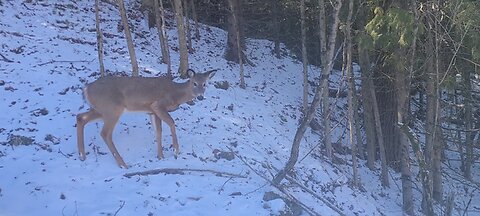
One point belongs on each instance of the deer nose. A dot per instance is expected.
(200, 97)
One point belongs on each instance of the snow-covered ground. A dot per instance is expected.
(49, 53)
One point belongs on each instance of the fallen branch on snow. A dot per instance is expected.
(290, 196)
(181, 171)
(308, 190)
(65, 61)
(281, 189)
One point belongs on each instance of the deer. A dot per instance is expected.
(110, 96)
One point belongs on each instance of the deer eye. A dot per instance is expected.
(195, 84)
(204, 84)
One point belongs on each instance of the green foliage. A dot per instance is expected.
(466, 23)
(365, 41)
(390, 29)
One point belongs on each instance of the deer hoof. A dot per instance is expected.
(123, 166)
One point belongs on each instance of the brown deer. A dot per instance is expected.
(110, 96)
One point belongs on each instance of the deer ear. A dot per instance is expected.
(190, 73)
(211, 73)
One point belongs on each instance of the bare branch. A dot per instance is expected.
(181, 171)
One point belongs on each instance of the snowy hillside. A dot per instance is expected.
(48, 53)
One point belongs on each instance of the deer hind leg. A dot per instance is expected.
(82, 120)
(110, 120)
(157, 123)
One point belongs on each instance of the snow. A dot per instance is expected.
(53, 49)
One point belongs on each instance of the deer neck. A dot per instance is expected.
(183, 92)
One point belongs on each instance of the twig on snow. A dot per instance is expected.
(254, 191)
(221, 188)
(181, 171)
(60, 151)
(5, 59)
(121, 206)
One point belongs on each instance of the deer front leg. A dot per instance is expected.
(82, 120)
(162, 113)
(157, 123)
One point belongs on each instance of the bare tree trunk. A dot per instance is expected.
(430, 131)
(364, 61)
(427, 205)
(380, 140)
(325, 98)
(234, 49)
(99, 38)
(236, 28)
(431, 119)
(352, 106)
(304, 56)
(467, 97)
(406, 173)
(358, 129)
(162, 35)
(316, 100)
(187, 25)
(402, 88)
(195, 19)
(437, 187)
(276, 27)
(128, 36)
(449, 204)
(437, 163)
(369, 121)
(182, 42)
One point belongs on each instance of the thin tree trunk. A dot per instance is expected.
(236, 28)
(276, 27)
(449, 204)
(160, 23)
(182, 42)
(378, 128)
(427, 205)
(316, 100)
(369, 120)
(467, 94)
(351, 94)
(128, 36)
(402, 88)
(195, 19)
(99, 38)
(458, 132)
(304, 56)
(437, 186)
(358, 129)
(357, 125)
(234, 48)
(325, 98)
(431, 121)
(406, 174)
(187, 25)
